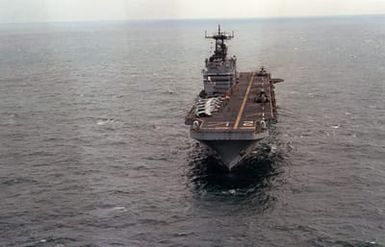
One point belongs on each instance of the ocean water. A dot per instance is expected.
(94, 151)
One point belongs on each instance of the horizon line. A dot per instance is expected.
(197, 19)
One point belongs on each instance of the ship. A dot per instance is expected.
(235, 110)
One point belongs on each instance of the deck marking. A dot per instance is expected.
(218, 124)
(244, 102)
(248, 124)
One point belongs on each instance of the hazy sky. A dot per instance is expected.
(69, 10)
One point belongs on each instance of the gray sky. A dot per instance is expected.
(79, 10)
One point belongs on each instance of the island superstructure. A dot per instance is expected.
(235, 109)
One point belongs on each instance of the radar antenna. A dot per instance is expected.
(220, 52)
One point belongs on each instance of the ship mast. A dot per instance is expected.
(220, 51)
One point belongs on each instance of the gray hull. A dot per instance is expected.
(231, 152)
(231, 147)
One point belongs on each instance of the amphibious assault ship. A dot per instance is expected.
(235, 109)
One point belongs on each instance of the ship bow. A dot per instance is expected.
(231, 152)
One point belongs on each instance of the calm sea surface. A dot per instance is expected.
(94, 151)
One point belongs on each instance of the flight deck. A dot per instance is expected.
(248, 105)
